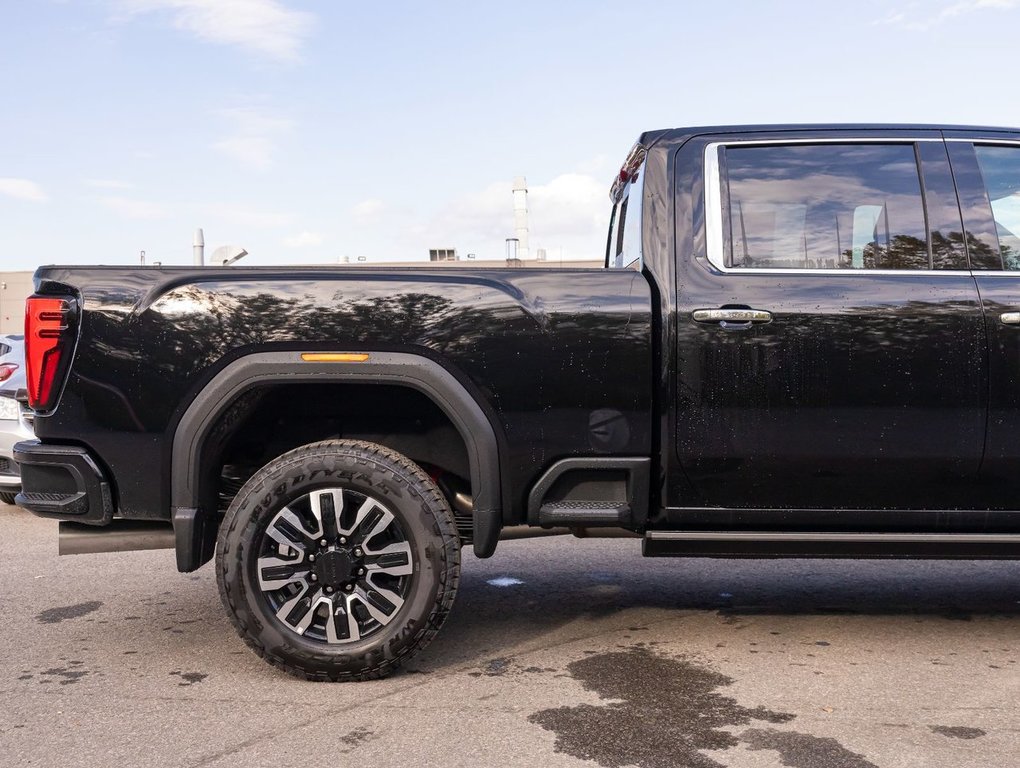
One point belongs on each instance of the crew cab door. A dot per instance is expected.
(830, 339)
(987, 171)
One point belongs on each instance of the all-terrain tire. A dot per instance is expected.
(7, 498)
(365, 471)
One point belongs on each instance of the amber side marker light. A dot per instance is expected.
(334, 357)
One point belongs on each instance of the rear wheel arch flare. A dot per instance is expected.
(393, 368)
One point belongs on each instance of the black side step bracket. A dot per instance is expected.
(769, 544)
(632, 510)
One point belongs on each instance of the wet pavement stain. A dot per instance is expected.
(356, 738)
(57, 615)
(189, 678)
(669, 710)
(69, 676)
(494, 667)
(957, 731)
(802, 750)
(497, 666)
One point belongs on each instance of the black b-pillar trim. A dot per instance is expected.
(196, 536)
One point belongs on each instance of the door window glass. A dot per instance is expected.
(1000, 169)
(825, 206)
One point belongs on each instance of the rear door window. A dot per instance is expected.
(823, 206)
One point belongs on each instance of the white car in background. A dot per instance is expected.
(14, 423)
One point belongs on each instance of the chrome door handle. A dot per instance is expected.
(738, 316)
(1010, 318)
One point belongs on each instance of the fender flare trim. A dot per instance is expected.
(400, 368)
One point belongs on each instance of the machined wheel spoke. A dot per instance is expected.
(382, 603)
(342, 626)
(379, 525)
(393, 560)
(298, 612)
(276, 573)
(288, 529)
(366, 516)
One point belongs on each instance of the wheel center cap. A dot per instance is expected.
(334, 568)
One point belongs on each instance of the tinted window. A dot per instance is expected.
(614, 221)
(625, 238)
(825, 206)
(945, 229)
(1000, 169)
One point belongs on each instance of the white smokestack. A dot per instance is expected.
(198, 248)
(521, 215)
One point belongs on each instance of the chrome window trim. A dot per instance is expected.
(864, 272)
(713, 208)
(982, 141)
(714, 218)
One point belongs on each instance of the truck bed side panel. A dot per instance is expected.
(548, 353)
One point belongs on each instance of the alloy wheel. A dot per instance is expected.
(334, 565)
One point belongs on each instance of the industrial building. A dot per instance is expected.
(15, 287)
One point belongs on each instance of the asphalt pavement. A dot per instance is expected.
(559, 652)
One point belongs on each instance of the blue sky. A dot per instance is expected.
(305, 131)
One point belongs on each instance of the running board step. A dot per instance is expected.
(767, 544)
(585, 513)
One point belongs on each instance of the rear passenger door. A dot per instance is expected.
(987, 171)
(830, 337)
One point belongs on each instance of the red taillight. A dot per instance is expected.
(48, 333)
(7, 370)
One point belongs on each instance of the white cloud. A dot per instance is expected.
(303, 240)
(977, 5)
(570, 205)
(253, 142)
(367, 210)
(970, 6)
(108, 184)
(23, 189)
(265, 27)
(600, 165)
(253, 152)
(922, 16)
(130, 208)
(567, 215)
(256, 121)
(242, 217)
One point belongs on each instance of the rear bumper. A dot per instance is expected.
(63, 482)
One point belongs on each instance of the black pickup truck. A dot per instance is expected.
(805, 342)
